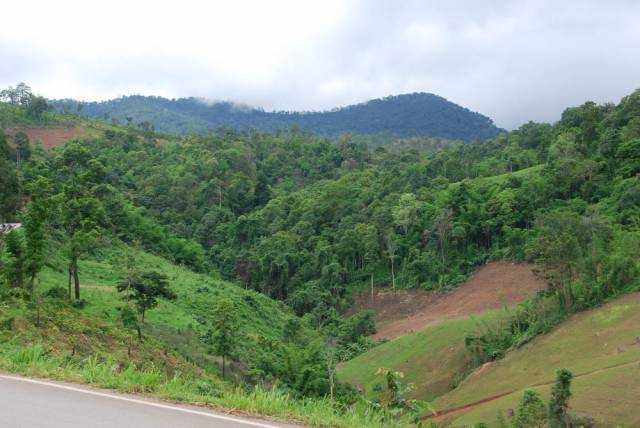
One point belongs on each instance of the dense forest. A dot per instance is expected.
(306, 220)
(418, 114)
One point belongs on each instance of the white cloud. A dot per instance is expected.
(512, 60)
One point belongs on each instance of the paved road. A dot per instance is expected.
(27, 403)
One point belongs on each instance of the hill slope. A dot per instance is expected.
(418, 114)
(602, 349)
(490, 288)
(434, 356)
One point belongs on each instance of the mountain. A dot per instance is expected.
(417, 114)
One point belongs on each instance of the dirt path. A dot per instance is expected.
(455, 412)
(490, 288)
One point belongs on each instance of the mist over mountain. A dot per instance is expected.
(417, 114)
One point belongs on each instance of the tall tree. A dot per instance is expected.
(33, 222)
(81, 214)
(224, 337)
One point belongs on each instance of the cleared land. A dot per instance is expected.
(428, 328)
(489, 289)
(50, 137)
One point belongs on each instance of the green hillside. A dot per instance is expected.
(433, 359)
(599, 346)
(254, 242)
(188, 317)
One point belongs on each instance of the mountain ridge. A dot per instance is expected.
(405, 115)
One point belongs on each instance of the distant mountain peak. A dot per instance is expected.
(403, 115)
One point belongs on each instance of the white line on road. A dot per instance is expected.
(133, 400)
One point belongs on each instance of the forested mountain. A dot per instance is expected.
(418, 114)
(305, 220)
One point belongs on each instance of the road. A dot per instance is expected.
(29, 403)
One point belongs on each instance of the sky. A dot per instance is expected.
(513, 61)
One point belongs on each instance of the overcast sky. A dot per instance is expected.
(514, 61)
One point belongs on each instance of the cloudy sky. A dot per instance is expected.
(511, 60)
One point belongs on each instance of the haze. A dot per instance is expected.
(514, 61)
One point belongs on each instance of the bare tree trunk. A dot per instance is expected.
(32, 279)
(393, 275)
(76, 278)
(331, 380)
(224, 376)
(70, 276)
(372, 287)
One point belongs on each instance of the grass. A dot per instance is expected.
(74, 345)
(433, 359)
(175, 321)
(34, 361)
(599, 346)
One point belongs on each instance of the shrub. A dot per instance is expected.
(56, 293)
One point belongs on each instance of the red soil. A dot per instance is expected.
(48, 137)
(490, 288)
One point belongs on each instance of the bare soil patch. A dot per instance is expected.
(490, 288)
(49, 137)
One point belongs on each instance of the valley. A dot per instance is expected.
(327, 281)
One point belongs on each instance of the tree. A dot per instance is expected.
(405, 213)
(330, 360)
(10, 188)
(532, 413)
(14, 271)
(145, 288)
(278, 256)
(36, 106)
(394, 401)
(20, 95)
(129, 272)
(224, 337)
(559, 403)
(81, 214)
(558, 247)
(23, 147)
(130, 322)
(33, 222)
(83, 233)
(442, 227)
(392, 248)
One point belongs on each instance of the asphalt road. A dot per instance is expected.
(27, 403)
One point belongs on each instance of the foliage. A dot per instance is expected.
(531, 413)
(10, 189)
(559, 402)
(225, 336)
(417, 114)
(145, 289)
(394, 403)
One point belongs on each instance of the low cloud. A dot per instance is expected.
(512, 60)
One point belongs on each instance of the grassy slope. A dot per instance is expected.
(72, 345)
(89, 345)
(433, 359)
(176, 322)
(599, 346)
